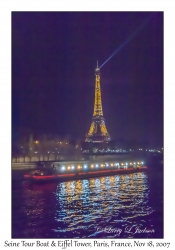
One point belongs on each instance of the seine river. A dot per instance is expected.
(119, 206)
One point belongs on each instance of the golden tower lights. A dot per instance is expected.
(97, 131)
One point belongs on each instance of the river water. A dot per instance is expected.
(119, 206)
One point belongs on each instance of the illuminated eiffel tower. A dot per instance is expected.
(97, 131)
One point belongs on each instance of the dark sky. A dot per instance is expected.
(54, 56)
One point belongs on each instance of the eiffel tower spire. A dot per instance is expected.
(97, 103)
(97, 131)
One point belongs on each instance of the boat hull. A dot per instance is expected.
(80, 175)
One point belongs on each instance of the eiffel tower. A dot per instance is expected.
(97, 131)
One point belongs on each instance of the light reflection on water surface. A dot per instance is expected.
(95, 207)
(113, 201)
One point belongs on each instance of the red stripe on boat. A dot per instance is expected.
(104, 171)
(65, 175)
(43, 176)
(121, 169)
(27, 175)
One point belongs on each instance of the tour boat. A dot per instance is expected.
(83, 170)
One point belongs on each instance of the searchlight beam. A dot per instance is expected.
(128, 39)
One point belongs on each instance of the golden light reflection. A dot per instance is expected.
(123, 183)
(112, 179)
(78, 186)
(103, 198)
(68, 191)
(102, 180)
(92, 182)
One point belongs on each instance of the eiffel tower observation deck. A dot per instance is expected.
(98, 131)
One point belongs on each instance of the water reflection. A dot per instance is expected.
(36, 205)
(84, 208)
(116, 201)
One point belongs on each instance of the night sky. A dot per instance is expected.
(54, 57)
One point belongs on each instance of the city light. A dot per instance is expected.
(96, 165)
(72, 167)
(85, 166)
(63, 168)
